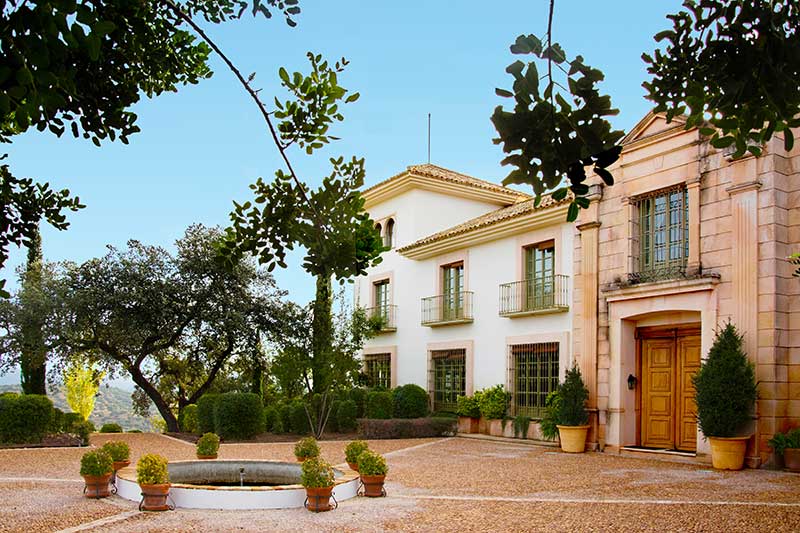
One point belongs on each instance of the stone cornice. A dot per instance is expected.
(588, 225)
(742, 187)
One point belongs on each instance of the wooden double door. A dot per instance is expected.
(668, 359)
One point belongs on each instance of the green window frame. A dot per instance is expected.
(378, 369)
(663, 234)
(452, 291)
(540, 275)
(534, 371)
(448, 378)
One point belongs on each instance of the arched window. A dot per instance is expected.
(388, 239)
(380, 229)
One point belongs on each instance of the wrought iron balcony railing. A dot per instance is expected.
(387, 314)
(444, 309)
(534, 296)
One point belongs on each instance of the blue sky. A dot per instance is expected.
(200, 148)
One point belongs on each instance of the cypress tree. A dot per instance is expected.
(33, 356)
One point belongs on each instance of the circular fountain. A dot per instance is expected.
(234, 484)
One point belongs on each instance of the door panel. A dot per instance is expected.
(688, 355)
(658, 393)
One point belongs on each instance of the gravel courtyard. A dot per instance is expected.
(433, 485)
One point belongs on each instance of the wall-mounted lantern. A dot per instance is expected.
(632, 381)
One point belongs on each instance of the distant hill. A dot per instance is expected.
(112, 405)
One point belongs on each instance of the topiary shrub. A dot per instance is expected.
(84, 430)
(407, 428)
(207, 445)
(69, 421)
(410, 401)
(96, 463)
(306, 447)
(270, 416)
(187, 420)
(238, 415)
(151, 469)
(298, 419)
(25, 418)
(333, 423)
(379, 404)
(316, 473)
(118, 450)
(57, 422)
(354, 449)
(725, 387)
(285, 416)
(468, 406)
(206, 407)
(493, 402)
(573, 394)
(359, 396)
(372, 464)
(346, 416)
(111, 428)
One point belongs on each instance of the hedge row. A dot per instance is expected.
(233, 415)
(25, 418)
(406, 428)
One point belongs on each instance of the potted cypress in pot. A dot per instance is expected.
(153, 478)
(306, 448)
(373, 469)
(787, 446)
(317, 478)
(96, 469)
(725, 393)
(469, 414)
(352, 451)
(572, 416)
(207, 446)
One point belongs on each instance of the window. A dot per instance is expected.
(533, 372)
(539, 275)
(663, 234)
(453, 291)
(388, 238)
(378, 368)
(381, 294)
(448, 378)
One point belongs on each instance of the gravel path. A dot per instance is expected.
(434, 485)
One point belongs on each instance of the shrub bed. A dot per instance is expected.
(206, 406)
(187, 420)
(238, 415)
(359, 396)
(379, 404)
(346, 416)
(410, 401)
(111, 428)
(25, 418)
(406, 428)
(270, 416)
(298, 419)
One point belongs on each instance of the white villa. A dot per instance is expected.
(476, 289)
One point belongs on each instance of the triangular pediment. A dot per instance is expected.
(652, 124)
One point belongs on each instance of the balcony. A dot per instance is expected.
(534, 297)
(447, 309)
(387, 315)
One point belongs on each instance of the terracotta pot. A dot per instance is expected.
(318, 499)
(791, 459)
(206, 457)
(468, 424)
(573, 438)
(496, 427)
(154, 497)
(483, 426)
(97, 486)
(119, 465)
(373, 486)
(300, 459)
(727, 453)
(353, 466)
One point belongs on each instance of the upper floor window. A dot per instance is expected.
(540, 274)
(382, 294)
(388, 237)
(663, 219)
(453, 290)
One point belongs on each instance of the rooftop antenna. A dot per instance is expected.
(429, 138)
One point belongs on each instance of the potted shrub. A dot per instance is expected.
(352, 451)
(469, 414)
(787, 446)
(96, 469)
(493, 404)
(317, 478)
(571, 414)
(153, 478)
(119, 452)
(725, 393)
(207, 446)
(306, 448)
(373, 469)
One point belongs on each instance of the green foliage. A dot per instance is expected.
(306, 447)
(521, 424)
(206, 407)
(118, 450)
(548, 425)
(111, 428)
(407, 428)
(24, 418)
(32, 316)
(780, 441)
(70, 420)
(795, 260)
(725, 387)
(372, 464)
(333, 421)
(346, 416)
(553, 132)
(354, 449)
(316, 472)
(96, 463)
(468, 406)
(239, 415)
(208, 445)
(270, 417)
(83, 429)
(731, 67)
(572, 397)
(410, 401)
(359, 396)
(188, 419)
(379, 404)
(151, 469)
(57, 422)
(494, 402)
(298, 419)
(82, 384)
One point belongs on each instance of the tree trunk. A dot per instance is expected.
(322, 334)
(158, 400)
(33, 370)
